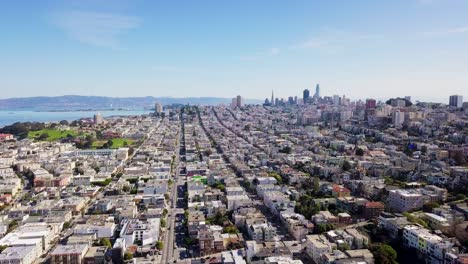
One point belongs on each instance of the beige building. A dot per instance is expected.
(20, 255)
(64, 254)
(316, 245)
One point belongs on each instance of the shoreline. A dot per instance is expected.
(71, 111)
(11, 116)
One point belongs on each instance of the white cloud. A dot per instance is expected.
(332, 40)
(450, 31)
(329, 41)
(425, 1)
(311, 44)
(268, 53)
(95, 28)
(458, 30)
(274, 51)
(248, 58)
(432, 2)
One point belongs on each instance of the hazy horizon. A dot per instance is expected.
(413, 98)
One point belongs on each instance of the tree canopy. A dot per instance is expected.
(286, 150)
(105, 242)
(359, 152)
(306, 206)
(159, 245)
(385, 254)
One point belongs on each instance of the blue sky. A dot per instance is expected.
(223, 48)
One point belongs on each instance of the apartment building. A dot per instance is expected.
(262, 232)
(403, 200)
(373, 209)
(101, 225)
(20, 255)
(139, 232)
(32, 234)
(431, 246)
(316, 245)
(65, 254)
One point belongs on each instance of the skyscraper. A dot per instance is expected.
(344, 100)
(336, 100)
(240, 101)
(456, 101)
(371, 104)
(317, 91)
(398, 118)
(237, 101)
(98, 120)
(370, 108)
(272, 98)
(306, 96)
(159, 108)
(234, 102)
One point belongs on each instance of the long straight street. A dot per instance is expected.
(173, 210)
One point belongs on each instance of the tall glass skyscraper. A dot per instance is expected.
(306, 95)
(317, 91)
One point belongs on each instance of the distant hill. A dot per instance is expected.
(77, 102)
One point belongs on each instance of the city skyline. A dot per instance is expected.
(222, 100)
(133, 49)
(234, 132)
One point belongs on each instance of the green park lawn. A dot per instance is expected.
(120, 142)
(116, 143)
(53, 134)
